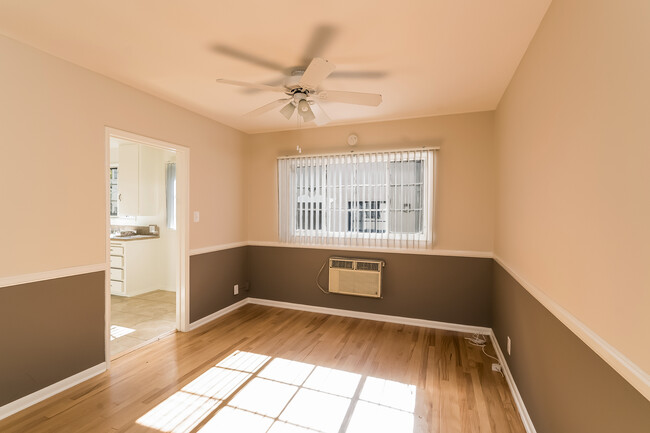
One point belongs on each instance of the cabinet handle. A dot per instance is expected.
(119, 197)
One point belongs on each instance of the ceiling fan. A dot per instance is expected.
(303, 91)
(321, 38)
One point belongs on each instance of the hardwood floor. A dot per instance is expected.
(262, 369)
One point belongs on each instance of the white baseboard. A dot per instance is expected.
(207, 319)
(519, 402)
(345, 313)
(372, 316)
(60, 386)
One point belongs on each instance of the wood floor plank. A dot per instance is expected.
(454, 387)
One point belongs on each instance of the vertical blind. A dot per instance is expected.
(382, 199)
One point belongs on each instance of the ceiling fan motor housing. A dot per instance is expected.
(299, 96)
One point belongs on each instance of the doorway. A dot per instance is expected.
(146, 278)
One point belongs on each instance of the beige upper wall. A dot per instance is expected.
(465, 203)
(573, 189)
(52, 172)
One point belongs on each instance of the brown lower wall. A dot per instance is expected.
(54, 329)
(441, 288)
(50, 330)
(212, 277)
(566, 386)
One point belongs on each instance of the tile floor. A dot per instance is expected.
(141, 318)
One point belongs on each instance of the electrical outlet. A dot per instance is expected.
(509, 345)
(236, 289)
(196, 216)
(496, 367)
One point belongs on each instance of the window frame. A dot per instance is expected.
(293, 233)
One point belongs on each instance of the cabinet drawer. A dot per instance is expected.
(117, 286)
(117, 251)
(117, 274)
(117, 262)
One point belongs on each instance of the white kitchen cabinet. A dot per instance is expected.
(140, 183)
(133, 267)
(151, 181)
(128, 182)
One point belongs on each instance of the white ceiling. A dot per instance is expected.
(426, 57)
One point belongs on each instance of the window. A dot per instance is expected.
(113, 191)
(374, 199)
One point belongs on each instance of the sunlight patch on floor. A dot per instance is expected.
(230, 419)
(217, 383)
(370, 417)
(333, 381)
(283, 370)
(389, 393)
(118, 331)
(254, 393)
(316, 410)
(180, 413)
(244, 361)
(185, 409)
(265, 397)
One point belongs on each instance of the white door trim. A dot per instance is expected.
(182, 224)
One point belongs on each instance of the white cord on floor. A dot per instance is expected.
(490, 356)
(480, 341)
(476, 340)
(318, 276)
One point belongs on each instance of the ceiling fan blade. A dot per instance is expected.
(315, 73)
(320, 39)
(252, 85)
(267, 107)
(287, 110)
(273, 83)
(321, 116)
(358, 74)
(358, 98)
(251, 58)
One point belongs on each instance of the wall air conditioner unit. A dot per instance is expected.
(359, 277)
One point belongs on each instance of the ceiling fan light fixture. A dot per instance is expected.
(303, 106)
(307, 115)
(287, 110)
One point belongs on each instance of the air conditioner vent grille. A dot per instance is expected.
(342, 264)
(368, 266)
(358, 277)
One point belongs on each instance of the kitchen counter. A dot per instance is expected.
(134, 237)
